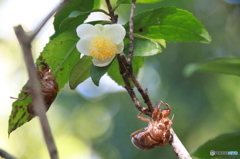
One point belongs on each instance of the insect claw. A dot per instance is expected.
(158, 131)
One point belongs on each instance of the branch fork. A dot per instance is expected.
(125, 67)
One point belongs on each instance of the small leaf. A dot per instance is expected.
(138, 1)
(61, 55)
(226, 142)
(73, 5)
(97, 72)
(219, 65)
(144, 47)
(114, 73)
(80, 72)
(171, 24)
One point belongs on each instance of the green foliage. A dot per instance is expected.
(171, 24)
(138, 1)
(97, 72)
(204, 100)
(19, 114)
(63, 15)
(75, 19)
(229, 66)
(144, 47)
(151, 29)
(162, 42)
(61, 56)
(80, 72)
(226, 142)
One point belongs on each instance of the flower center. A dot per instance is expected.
(102, 48)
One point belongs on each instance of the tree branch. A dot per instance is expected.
(45, 20)
(128, 87)
(125, 67)
(113, 17)
(25, 41)
(178, 147)
(136, 83)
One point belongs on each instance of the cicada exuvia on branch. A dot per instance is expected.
(48, 86)
(158, 131)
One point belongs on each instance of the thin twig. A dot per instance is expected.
(128, 87)
(6, 155)
(45, 20)
(131, 44)
(178, 147)
(136, 83)
(113, 17)
(125, 67)
(25, 41)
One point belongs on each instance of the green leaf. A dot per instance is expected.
(226, 142)
(61, 56)
(73, 21)
(114, 73)
(73, 5)
(219, 65)
(97, 4)
(162, 42)
(138, 1)
(80, 72)
(171, 24)
(19, 114)
(144, 47)
(97, 72)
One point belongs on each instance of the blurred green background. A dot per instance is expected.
(205, 105)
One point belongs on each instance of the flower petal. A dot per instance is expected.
(83, 46)
(99, 26)
(87, 31)
(120, 47)
(102, 63)
(115, 32)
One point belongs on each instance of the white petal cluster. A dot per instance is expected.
(102, 42)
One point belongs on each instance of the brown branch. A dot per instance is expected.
(25, 41)
(128, 87)
(125, 67)
(113, 17)
(6, 155)
(122, 66)
(136, 83)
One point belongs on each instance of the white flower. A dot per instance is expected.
(102, 42)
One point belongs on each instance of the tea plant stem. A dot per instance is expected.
(126, 70)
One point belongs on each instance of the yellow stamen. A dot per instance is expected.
(102, 48)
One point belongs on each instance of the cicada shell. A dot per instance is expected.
(49, 88)
(158, 131)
